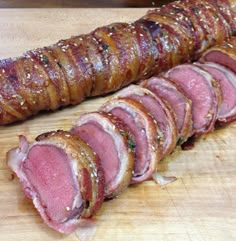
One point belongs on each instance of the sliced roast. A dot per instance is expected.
(145, 132)
(61, 175)
(203, 90)
(111, 141)
(160, 111)
(224, 54)
(227, 81)
(176, 98)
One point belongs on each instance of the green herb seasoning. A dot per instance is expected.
(145, 29)
(159, 136)
(195, 10)
(180, 140)
(130, 142)
(45, 60)
(105, 47)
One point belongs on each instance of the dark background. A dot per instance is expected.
(80, 3)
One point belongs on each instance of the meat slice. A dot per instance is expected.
(227, 81)
(61, 175)
(180, 104)
(145, 131)
(110, 139)
(224, 54)
(203, 90)
(160, 111)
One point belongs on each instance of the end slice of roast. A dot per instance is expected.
(61, 175)
(224, 54)
(203, 90)
(160, 111)
(109, 138)
(176, 98)
(227, 81)
(145, 131)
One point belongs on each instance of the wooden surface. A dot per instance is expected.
(199, 206)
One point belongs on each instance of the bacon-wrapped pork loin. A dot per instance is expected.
(111, 57)
(177, 99)
(227, 81)
(204, 92)
(62, 176)
(113, 143)
(145, 131)
(160, 111)
(224, 54)
(61, 171)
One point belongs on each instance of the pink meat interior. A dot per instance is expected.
(49, 172)
(221, 58)
(138, 132)
(198, 90)
(174, 98)
(156, 110)
(103, 145)
(228, 90)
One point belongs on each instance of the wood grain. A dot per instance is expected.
(199, 206)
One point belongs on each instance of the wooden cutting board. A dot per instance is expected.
(199, 206)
